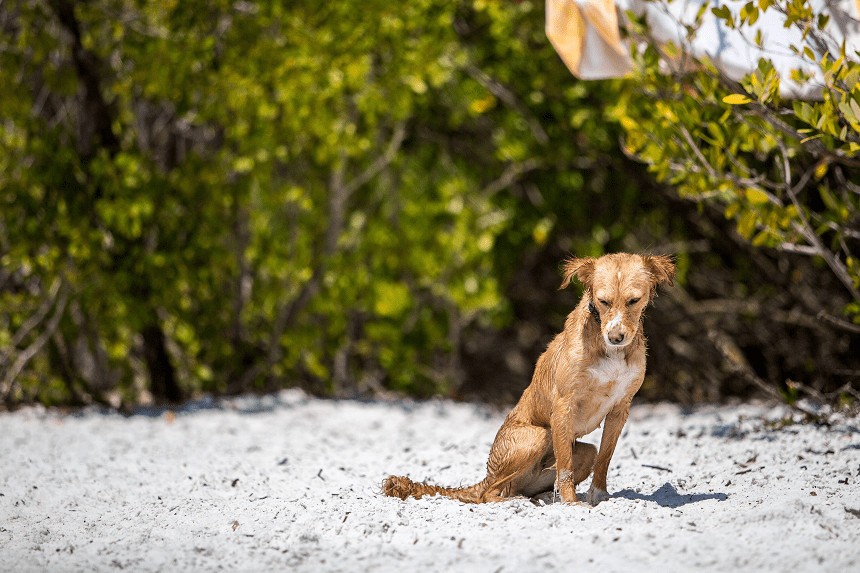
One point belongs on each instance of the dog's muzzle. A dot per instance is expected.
(615, 335)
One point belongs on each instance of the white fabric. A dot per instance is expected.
(585, 34)
(733, 51)
(599, 59)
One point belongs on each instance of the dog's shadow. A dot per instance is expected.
(666, 496)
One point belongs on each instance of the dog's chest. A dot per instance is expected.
(614, 379)
(614, 375)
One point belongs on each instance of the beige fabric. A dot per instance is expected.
(585, 34)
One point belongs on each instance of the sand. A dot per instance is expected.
(290, 482)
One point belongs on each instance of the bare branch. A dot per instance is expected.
(701, 157)
(509, 176)
(838, 322)
(40, 314)
(723, 346)
(339, 192)
(508, 97)
(28, 353)
(712, 172)
(381, 162)
(800, 249)
(805, 229)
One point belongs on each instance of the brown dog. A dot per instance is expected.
(589, 373)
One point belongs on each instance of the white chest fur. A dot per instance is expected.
(614, 379)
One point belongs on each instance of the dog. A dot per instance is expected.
(588, 374)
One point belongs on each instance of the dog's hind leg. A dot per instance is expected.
(515, 459)
(517, 451)
(544, 480)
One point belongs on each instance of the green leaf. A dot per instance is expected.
(829, 199)
(736, 99)
(746, 224)
(855, 107)
(753, 17)
(722, 12)
(804, 112)
(761, 238)
(812, 137)
(732, 210)
(756, 196)
(392, 299)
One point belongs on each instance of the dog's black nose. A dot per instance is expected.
(616, 339)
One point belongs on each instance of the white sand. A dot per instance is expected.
(288, 482)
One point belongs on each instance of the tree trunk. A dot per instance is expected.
(162, 377)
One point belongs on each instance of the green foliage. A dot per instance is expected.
(785, 172)
(351, 197)
(289, 192)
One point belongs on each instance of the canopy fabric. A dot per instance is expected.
(586, 35)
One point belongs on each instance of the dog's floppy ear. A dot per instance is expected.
(662, 267)
(581, 268)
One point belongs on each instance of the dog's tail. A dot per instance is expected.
(403, 487)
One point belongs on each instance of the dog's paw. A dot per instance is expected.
(596, 495)
(565, 487)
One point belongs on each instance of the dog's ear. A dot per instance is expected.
(581, 268)
(662, 267)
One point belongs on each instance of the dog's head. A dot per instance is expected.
(619, 287)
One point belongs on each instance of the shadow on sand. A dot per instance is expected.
(668, 496)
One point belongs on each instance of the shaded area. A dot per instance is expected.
(668, 496)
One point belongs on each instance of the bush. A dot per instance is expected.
(785, 172)
(357, 198)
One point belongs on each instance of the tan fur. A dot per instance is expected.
(580, 380)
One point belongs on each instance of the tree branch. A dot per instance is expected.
(40, 314)
(839, 323)
(720, 342)
(698, 152)
(28, 353)
(339, 192)
(799, 249)
(87, 69)
(381, 162)
(508, 97)
(509, 176)
(805, 229)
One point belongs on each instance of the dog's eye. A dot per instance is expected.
(632, 301)
(603, 302)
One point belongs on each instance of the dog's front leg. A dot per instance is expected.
(562, 445)
(612, 427)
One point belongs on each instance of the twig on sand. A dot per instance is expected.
(661, 468)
